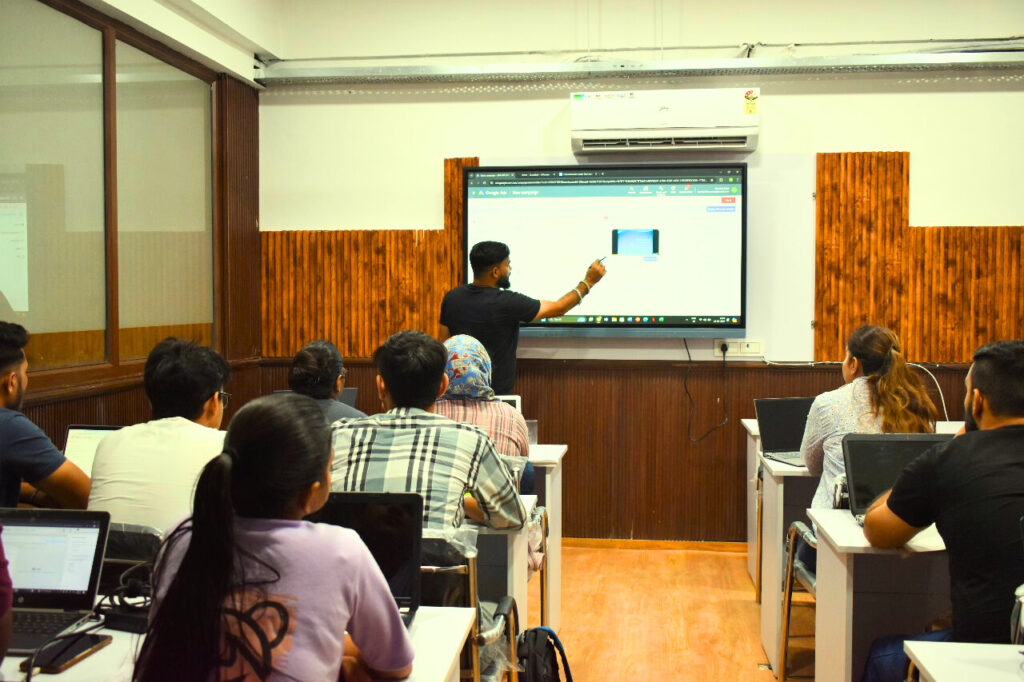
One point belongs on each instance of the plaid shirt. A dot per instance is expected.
(410, 450)
(500, 421)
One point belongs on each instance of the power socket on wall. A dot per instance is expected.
(747, 348)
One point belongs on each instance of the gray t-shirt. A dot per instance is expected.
(335, 410)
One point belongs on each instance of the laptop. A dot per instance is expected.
(349, 395)
(513, 400)
(874, 462)
(391, 526)
(54, 559)
(781, 422)
(80, 445)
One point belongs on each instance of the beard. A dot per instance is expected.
(970, 424)
(503, 283)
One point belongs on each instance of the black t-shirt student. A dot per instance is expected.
(492, 316)
(972, 488)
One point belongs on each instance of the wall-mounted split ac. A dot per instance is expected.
(672, 120)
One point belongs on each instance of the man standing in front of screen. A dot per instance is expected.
(488, 312)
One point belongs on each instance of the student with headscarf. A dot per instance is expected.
(470, 398)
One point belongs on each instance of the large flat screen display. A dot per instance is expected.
(673, 240)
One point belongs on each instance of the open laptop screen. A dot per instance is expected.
(81, 443)
(54, 556)
(781, 422)
(391, 527)
(874, 462)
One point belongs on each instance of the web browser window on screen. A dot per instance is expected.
(672, 239)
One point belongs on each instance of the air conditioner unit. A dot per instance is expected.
(671, 120)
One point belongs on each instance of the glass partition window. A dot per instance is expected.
(56, 239)
(164, 203)
(52, 245)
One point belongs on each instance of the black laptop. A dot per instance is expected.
(54, 559)
(781, 423)
(874, 462)
(391, 526)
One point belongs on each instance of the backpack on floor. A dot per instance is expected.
(535, 649)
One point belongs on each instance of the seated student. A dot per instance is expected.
(144, 474)
(247, 590)
(470, 399)
(411, 449)
(972, 489)
(317, 372)
(881, 395)
(26, 454)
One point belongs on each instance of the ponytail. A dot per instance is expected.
(202, 583)
(898, 394)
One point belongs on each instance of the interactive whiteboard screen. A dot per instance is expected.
(673, 239)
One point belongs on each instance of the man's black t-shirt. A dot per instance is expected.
(492, 316)
(972, 488)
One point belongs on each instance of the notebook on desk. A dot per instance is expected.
(80, 445)
(54, 559)
(874, 462)
(781, 423)
(391, 527)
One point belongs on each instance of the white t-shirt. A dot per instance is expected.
(145, 474)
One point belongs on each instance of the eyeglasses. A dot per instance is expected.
(225, 398)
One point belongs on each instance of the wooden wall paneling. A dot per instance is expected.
(945, 290)
(238, 109)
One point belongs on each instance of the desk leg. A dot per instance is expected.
(752, 507)
(771, 567)
(553, 569)
(519, 572)
(833, 624)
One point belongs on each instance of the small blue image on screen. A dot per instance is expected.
(636, 242)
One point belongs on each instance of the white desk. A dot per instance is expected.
(864, 592)
(503, 562)
(437, 634)
(786, 493)
(959, 661)
(548, 459)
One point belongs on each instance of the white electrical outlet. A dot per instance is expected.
(745, 348)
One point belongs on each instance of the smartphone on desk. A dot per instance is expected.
(62, 654)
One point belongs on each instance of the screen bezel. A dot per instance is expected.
(613, 330)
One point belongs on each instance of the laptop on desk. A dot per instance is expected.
(391, 526)
(54, 559)
(874, 462)
(80, 445)
(781, 422)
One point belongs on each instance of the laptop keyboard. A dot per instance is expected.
(42, 622)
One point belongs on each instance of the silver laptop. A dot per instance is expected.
(781, 423)
(54, 559)
(874, 462)
(80, 445)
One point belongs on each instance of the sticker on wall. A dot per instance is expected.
(750, 102)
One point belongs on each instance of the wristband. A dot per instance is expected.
(584, 283)
(576, 290)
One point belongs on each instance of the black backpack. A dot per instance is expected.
(535, 649)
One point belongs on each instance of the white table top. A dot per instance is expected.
(843, 532)
(958, 661)
(940, 427)
(546, 455)
(437, 636)
(781, 469)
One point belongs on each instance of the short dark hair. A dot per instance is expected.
(13, 339)
(315, 368)
(182, 375)
(485, 255)
(999, 374)
(412, 366)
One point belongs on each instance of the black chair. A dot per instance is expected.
(128, 545)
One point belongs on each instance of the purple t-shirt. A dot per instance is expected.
(329, 585)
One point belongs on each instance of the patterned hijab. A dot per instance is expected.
(468, 369)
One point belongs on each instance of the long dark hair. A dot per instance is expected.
(276, 447)
(897, 393)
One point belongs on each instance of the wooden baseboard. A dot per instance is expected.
(596, 543)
